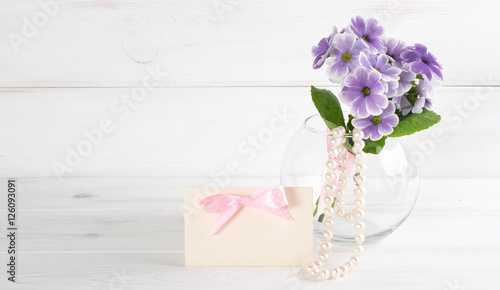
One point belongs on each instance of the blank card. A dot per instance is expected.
(252, 236)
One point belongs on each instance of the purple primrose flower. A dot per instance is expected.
(345, 56)
(404, 82)
(422, 61)
(368, 32)
(391, 88)
(426, 87)
(381, 65)
(363, 91)
(323, 49)
(375, 127)
(395, 48)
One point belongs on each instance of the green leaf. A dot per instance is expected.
(350, 127)
(328, 107)
(316, 208)
(413, 123)
(374, 147)
(412, 95)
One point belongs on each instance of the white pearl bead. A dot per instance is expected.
(343, 140)
(357, 134)
(357, 149)
(342, 161)
(332, 164)
(310, 268)
(349, 265)
(341, 213)
(335, 142)
(330, 176)
(326, 246)
(328, 211)
(358, 157)
(359, 202)
(342, 171)
(341, 129)
(317, 263)
(335, 273)
(329, 188)
(360, 179)
(360, 168)
(359, 143)
(343, 151)
(323, 257)
(358, 213)
(340, 203)
(359, 250)
(359, 226)
(340, 193)
(333, 152)
(327, 235)
(343, 270)
(324, 274)
(354, 260)
(328, 223)
(328, 199)
(359, 238)
(356, 137)
(313, 273)
(359, 191)
(336, 132)
(348, 217)
(342, 182)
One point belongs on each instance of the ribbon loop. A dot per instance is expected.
(272, 199)
(246, 200)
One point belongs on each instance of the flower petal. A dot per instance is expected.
(410, 56)
(372, 105)
(374, 134)
(391, 120)
(359, 108)
(385, 129)
(362, 123)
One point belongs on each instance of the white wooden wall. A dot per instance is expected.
(224, 67)
(222, 70)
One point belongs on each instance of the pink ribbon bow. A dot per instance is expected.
(272, 199)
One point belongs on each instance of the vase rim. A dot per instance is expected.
(308, 124)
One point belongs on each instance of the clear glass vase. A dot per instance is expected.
(392, 185)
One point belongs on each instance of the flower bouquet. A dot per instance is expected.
(387, 85)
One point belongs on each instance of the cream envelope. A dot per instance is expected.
(253, 236)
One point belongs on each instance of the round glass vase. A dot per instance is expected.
(392, 185)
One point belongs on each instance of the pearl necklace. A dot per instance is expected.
(337, 166)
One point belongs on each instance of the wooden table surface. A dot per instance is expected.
(182, 86)
(124, 233)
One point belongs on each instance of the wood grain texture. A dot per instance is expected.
(178, 132)
(121, 215)
(111, 237)
(412, 271)
(228, 43)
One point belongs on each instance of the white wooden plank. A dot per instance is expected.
(412, 271)
(207, 42)
(197, 131)
(107, 219)
(166, 194)
(162, 231)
